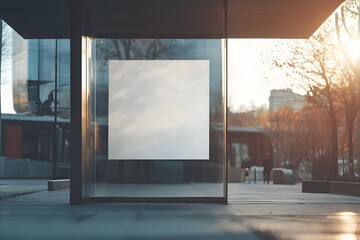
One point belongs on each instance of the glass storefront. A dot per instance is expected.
(35, 106)
(148, 96)
(157, 118)
(152, 119)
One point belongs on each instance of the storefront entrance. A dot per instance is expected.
(146, 89)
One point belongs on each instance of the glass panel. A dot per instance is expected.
(175, 174)
(33, 74)
(150, 114)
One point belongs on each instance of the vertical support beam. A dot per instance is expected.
(77, 167)
(55, 149)
(226, 140)
(225, 94)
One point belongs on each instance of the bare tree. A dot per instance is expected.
(313, 65)
(282, 134)
(328, 66)
(4, 53)
(5, 42)
(347, 25)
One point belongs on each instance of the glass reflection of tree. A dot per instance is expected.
(129, 49)
(137, 49)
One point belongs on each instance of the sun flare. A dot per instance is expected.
(352, 48)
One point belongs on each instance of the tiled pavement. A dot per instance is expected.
(255, 211)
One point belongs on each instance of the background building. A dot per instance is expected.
(280, 98)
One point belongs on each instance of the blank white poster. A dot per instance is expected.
(158, 109)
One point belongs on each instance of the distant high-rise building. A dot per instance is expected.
(285, 98)
(41, 75)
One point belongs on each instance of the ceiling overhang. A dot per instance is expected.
(278, 18)
(170, 18)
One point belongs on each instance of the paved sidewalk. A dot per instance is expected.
(15, 187)
(255, 211)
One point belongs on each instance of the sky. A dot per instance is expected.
(6, 88)
(251, 74)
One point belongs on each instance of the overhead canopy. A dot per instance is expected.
(277, 18)
(170, 18)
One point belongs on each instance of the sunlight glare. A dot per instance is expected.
(346, 215)
(352, 48)
(251, 73)
(346, 236)
(347, 224)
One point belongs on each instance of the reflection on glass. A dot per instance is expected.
(151, 176)
(35, 106)
(40, 73)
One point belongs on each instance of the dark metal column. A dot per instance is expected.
(77, 167)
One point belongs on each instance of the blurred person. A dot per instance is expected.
(268, 165)
(246, 165)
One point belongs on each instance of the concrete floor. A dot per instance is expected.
(255, 211)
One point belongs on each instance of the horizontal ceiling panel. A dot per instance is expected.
(153, 5)
(37, 18)
(277, 18)
(281, 4)
(155, 18)
(170, 18)
(157, 23)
